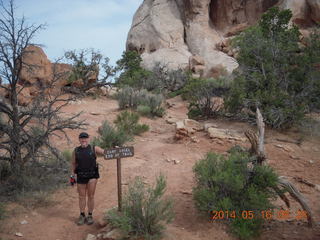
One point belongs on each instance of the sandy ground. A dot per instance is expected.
(152, 150)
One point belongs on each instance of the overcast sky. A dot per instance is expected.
(79, 24)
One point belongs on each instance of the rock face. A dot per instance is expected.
(39, 73)
(39, 67)
(171, 32)
(157, 33)
(314, 10)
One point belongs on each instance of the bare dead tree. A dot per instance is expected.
(87, 64)
(26, 131)
(257, 149)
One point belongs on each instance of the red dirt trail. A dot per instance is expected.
(152, 149)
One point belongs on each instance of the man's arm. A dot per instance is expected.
(99, 151)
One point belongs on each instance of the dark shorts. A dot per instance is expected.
(86, 180)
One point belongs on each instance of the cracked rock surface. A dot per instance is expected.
(170, 32)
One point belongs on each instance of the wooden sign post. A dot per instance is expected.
(118, 153)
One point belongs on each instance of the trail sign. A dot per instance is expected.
(118, 153)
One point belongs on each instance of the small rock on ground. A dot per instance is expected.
(24, 222)
(18, 234)
(91, 237)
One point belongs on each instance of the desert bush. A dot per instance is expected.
(35, 199)
(200, 93)
(144, 210)
(154, 102)
(5, 170)
(275, 73)
(110, 136)
(43, 174)
(128, 122)
(230, 184)
(144, 110)
(67, 155)
(309, 127)
(132, 74)
(165, 81)
(159, 80)
(130, 98)
(90, 69)
(2, 211)
(126, 126)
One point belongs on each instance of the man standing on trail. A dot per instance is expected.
(85, 167)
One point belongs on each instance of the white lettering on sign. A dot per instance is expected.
(119, 152)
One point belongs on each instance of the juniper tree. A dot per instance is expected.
(276, 73)
(87, 64)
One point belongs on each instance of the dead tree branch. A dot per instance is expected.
(27, 129)
(294, 192)
(258, 150)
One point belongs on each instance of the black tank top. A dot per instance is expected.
(85, 157)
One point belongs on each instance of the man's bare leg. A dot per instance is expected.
(82, 190)
(91, 190)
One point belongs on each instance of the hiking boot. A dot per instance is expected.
(81, 220)
(90, 220)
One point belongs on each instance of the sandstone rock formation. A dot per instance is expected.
(170, 32)
(219, 133)
(38, 73)
(187, 127)
(37, 68)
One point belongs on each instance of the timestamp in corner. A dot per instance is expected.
(264, 214)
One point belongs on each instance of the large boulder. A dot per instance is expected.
(37, 75)
(169, 32)
(314, 10)
(157, 33)
(62, 72)
(228, 14)
(36, 68)
(171, 58)
(38, 71)
(157, 24)
(300, 11)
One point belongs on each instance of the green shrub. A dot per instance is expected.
(275, 73)
(174, 93)
(35, 199)
(130, 98)
(200, 93)
(309, 127)
(67, 155)
(154, 101)
(5, 170)
(132, 74)
(110, 136)
(128, 122)
(43, 174)
(126, 98)
(126, 126)
(144, 210)
(2, 211)
(166, 81)
(144, 110)
(159, 80)
(228, 184)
